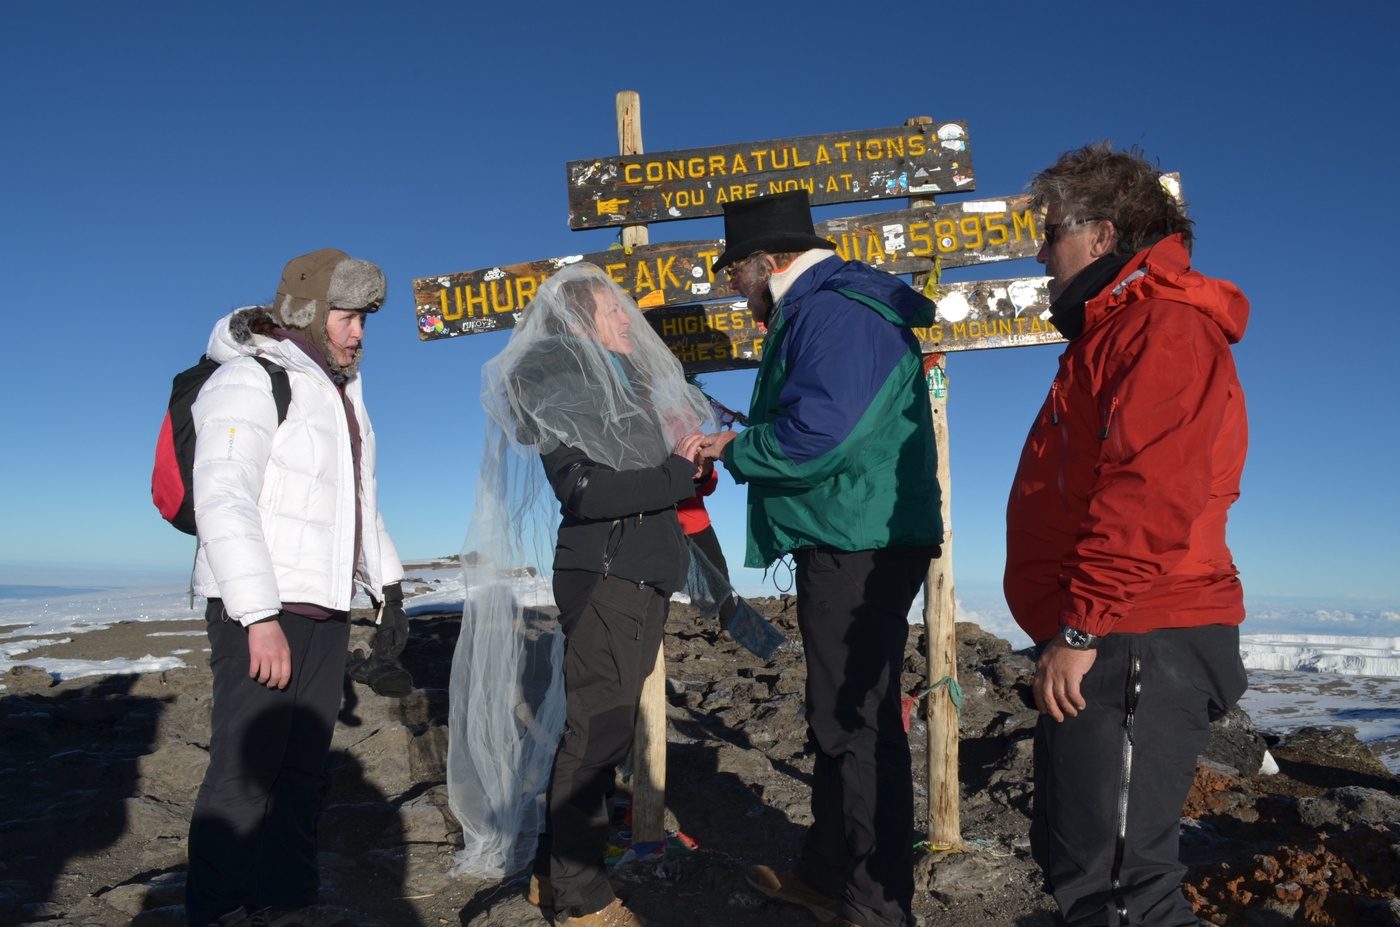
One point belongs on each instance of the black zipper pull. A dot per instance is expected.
(1134, 691)
(1108, 419)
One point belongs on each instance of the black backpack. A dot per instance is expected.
(172, 479)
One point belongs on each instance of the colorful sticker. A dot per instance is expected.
(432, 323)
(951, 130)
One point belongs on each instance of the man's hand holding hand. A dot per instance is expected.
(714, 445)
(689, 447)
(269, 657)
(1058, 673)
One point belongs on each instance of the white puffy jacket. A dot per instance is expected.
(275, 505)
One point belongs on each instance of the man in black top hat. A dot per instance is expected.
(841, 466)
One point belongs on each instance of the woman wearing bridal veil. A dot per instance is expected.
(588, 390)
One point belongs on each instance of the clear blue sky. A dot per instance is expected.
(161, 162)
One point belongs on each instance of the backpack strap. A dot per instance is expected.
(281, 387)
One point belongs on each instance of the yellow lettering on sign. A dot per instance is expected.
(612, 269)
(873, 149)
(750, 190)
(959, 329)
(916, 146)
(797, 163)
(971, 225)
(945, 234)
(525, 289)
(708, 257)
(694, 170)
(738, 167)
(1035, 325)
(894, 146)
(610, 206)
(855, 247)
(692, 325)
(719, 323)
(651, 300)
(993, 228)
(627, 173)
(1024, 220)
(675, 170)
(720, 196)
(496, 300)
(716, 165)
(666, 198)
(774, 156)
(658, 172)
(874, 254)
(831, 184)
(843, 146)
(663, 270)
(759, 156)
(447, 313)
(736, 321)
(925, 242)
(670, 327)
(822, 156)
(472, 303)
(1020, 325)
(776, 186)
(846, 179)
(841, 247)
(644, 280)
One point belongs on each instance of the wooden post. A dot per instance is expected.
(944, 827)
(649, 740)
(629, 142)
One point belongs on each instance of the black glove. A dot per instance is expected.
(382, 671)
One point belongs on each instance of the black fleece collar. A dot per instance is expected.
(1067, 312)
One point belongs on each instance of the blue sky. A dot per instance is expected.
(160, 162)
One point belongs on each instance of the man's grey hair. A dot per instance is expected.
(1096, 182)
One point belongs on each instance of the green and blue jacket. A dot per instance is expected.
(840, 451)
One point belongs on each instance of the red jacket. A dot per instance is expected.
(1116, 521)
(692, 512)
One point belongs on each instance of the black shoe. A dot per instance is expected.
(387, 678)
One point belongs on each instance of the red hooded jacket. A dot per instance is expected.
(1116, 521)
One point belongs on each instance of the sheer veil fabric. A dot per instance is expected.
(555, 383)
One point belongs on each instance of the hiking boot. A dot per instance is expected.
(786, 886)
(387, 678)
(616, 914)
(541, 892)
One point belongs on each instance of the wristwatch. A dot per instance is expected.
(1079, 640)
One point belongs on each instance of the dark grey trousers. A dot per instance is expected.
(253, 832)
(1187, 676)
(853, 610)
(612, 630)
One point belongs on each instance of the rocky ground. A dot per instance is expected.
(98, 776)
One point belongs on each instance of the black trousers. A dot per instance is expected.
(612, 630)
(708, 542)
(853, 611)
(1187, 676)
(253, 832)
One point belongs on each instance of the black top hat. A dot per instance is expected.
(772, 224)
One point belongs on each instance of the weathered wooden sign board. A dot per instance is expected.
(677, 273)
(971, 316)
(486, 300)
(908, 241)
(841, 167)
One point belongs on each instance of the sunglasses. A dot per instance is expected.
(1053, 228)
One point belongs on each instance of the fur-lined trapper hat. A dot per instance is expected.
(320, 281)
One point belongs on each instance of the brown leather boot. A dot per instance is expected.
(614, 915)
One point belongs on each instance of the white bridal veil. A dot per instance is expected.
(554, 384)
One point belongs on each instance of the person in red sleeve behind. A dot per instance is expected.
(696, 522)
(1116, 561)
